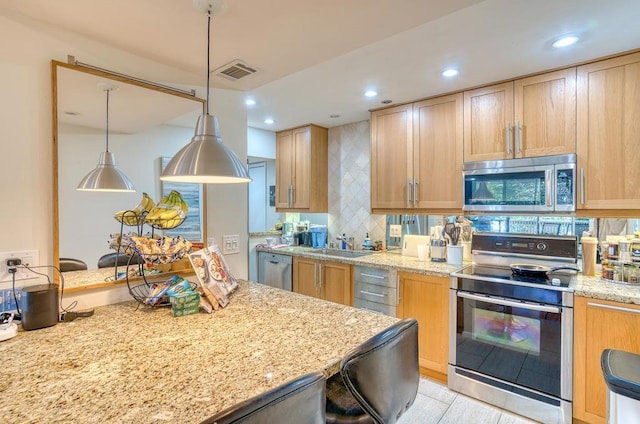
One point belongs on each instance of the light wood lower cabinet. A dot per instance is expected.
(326, 280)
(599, 325)
(426, 298)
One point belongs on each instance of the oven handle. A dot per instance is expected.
(504, 302)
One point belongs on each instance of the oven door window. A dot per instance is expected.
(513, 344)
(506, 189)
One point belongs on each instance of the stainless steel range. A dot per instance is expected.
(511, 336)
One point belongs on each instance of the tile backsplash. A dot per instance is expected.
(349, 185)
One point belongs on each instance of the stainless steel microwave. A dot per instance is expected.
(540, 184)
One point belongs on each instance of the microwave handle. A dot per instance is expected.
(548, 185)
(508, 139)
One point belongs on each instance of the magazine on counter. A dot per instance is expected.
(213, 273)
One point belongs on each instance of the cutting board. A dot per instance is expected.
(411, 242)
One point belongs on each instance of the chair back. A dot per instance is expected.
(299, 401)
(70, 264)
(109, 260)
(383, 373)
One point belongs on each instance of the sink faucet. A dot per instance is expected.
(347, 241)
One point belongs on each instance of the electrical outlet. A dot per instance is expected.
(27, 258)
(231, 244)
(395, 230)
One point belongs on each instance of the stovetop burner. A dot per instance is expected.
(555, 281)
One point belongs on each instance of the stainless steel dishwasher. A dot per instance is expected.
(275, 270)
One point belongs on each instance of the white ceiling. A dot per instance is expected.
(316, 58)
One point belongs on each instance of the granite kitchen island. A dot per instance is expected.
(138, 364)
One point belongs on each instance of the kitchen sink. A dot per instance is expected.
(345, 253)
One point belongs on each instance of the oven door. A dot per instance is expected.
(520, 189)
(516, 344)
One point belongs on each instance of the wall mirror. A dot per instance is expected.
(146, 123)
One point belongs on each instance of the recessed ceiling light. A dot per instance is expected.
(269, 121)
(370, 93)
(249, 102)
(565, 41)
(450, 72)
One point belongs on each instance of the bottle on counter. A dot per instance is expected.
(344, 241)
(589, 247)
(367, 242)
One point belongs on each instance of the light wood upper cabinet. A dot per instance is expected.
(426, 298)
(391, 157)
(599, 325)
(301, 170)
(609, 134)
(545, 114)
(437, 152)
(416, 155)
(488, 117)
(326, 280)
(528, 117)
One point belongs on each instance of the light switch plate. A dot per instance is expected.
(231, 244)
(27, 257)
(395, 230)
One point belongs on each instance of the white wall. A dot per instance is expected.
(261, 143)
(26, 141)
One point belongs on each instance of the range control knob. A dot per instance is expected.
(542, 246)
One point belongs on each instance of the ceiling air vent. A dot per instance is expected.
(235, 70)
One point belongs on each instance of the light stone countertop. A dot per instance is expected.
(386, 260)
(593, 287)
(598, 288)
(141, 365)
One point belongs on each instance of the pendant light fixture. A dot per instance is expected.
(106, 176)
(206, 159)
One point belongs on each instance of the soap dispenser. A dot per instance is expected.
(367, 242)
(344, 241)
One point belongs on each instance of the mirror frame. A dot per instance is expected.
(54, 128)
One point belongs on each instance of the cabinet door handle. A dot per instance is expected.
(408, 192)
(293, 195)
(315, 276)
(289, 195)
(397, 290)
(415, 192)
(320, 279)
(582, 186)
(509, 139)
(614, 308)
(372, 293)
(548, 187)
(518, 137)
(381, 277)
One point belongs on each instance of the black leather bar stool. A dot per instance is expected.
(109, 260)
(299, 401)
(378, 380)
(70, 264)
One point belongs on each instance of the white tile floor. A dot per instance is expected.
(436, 404)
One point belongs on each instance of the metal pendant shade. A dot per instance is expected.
(106, 176)
(206, 159)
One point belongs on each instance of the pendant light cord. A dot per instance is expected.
(208, 53)
(107, 132)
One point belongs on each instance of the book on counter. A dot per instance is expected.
(213, 274)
